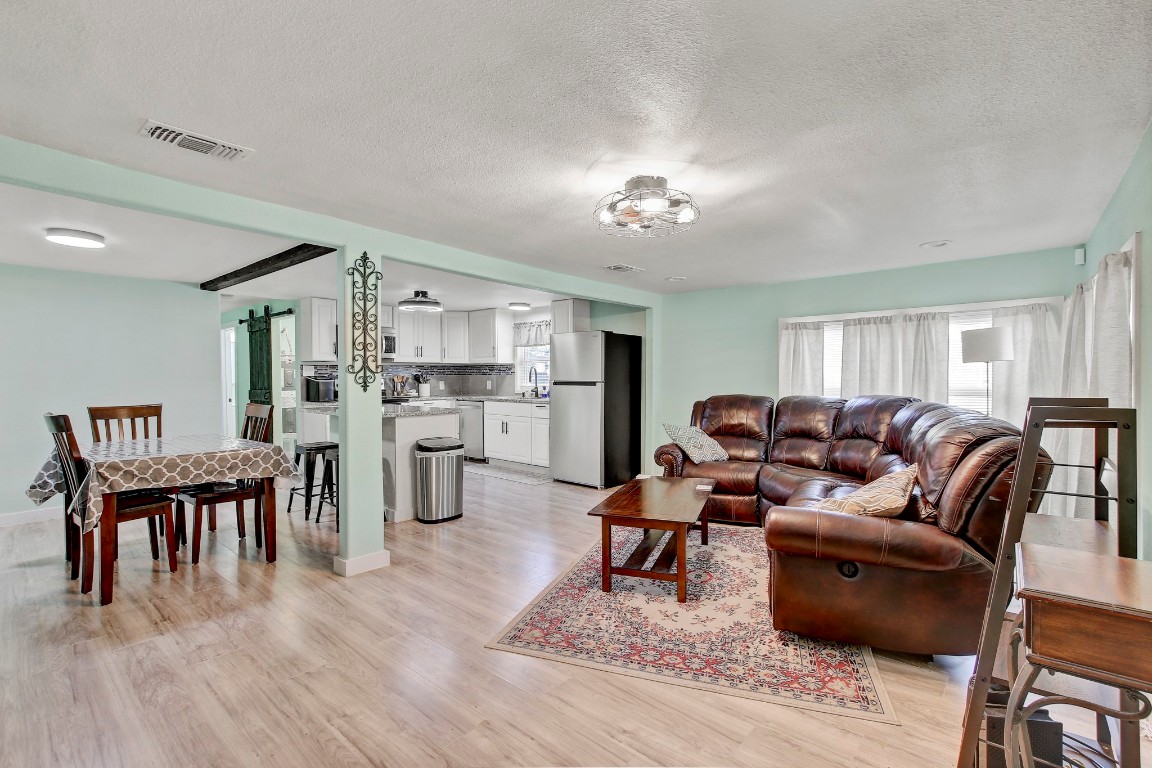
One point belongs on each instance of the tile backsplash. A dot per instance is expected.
(433, 369)
(457, 379)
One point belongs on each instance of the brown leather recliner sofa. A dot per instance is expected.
(917, 583)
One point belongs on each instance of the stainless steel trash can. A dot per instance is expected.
(439, 479)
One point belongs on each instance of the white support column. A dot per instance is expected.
(361, 472)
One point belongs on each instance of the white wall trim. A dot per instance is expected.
(37, 515)
(362, 564)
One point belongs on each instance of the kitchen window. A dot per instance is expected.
(526, 358)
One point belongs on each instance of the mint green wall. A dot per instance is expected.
(231, 319)
(72, 340)
(617, 318)
(725, 340)
(1129, 212)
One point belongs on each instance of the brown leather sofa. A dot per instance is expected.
(917, 583)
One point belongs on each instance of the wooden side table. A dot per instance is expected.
(1087, 615)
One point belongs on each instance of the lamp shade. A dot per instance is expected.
(984, 345)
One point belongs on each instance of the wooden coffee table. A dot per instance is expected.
(657, 504)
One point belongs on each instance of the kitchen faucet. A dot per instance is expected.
(534, 379)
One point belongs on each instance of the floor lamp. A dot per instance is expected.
(987, 345)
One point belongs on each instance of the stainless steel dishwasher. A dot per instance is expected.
(472, 428)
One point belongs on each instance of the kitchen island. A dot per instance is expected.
(402, 427)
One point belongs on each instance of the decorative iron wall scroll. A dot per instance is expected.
(365, 322)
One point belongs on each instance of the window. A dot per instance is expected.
(966, 382)
(833, 357)
(526, 359)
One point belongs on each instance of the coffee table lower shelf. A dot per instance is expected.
(674, 553)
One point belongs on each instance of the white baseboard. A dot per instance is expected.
(362, 564)
(37, 515)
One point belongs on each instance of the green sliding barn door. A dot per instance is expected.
(260, 357)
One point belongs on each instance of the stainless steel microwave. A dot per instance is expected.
(387, 344)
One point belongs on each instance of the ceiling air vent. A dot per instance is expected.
(623, 268)
(194, 142)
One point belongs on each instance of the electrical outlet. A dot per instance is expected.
(489, 383)
(441, 386)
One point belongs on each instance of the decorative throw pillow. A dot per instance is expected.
(884, 497)
(699, 446)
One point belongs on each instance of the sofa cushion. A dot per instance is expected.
(735, 477)
(804, 428)
(861, 432)
(940, 449)
(812, 492)
(698, 445)
(779, 481)
(885, 497)
(742, 424)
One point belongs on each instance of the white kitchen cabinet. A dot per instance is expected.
(311, 427)
(569, 315)
(540, 437)
(516, 432)
(454, 328)
(417, 337)
(387, 316)
(490, 336)
(317, 330)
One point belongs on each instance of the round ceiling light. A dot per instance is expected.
(74, 237)
(420, 302)
(519, 306)
(646, 207)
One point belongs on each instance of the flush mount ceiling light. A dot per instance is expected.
(74, 237)
(519, 306)
(675, 279)
(646, 207)
(935, 243)
(420, 302)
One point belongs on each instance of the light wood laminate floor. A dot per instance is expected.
(237, 663)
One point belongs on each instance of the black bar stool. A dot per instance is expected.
(306, 455)
(330, 484)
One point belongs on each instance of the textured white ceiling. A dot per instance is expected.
(818, 137)
(321, 277)
(137, 244)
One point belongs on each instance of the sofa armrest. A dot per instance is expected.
(671, 457)
(826, 535)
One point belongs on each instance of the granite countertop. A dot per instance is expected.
(387, 410)
(491, 398)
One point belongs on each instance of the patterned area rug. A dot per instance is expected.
(721, 640)
(515, 474)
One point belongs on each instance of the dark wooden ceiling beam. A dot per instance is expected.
(289, 258)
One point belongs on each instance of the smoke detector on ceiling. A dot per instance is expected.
(193, 141)
(623, 268)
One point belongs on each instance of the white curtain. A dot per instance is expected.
(531, 334)
(1036, 369)
(896, 355)
(802, 359)
(1097, 361)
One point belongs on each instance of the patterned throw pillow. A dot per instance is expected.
(884, 497)
(699, 446)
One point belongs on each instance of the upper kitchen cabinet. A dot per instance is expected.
(570, 315)
(317, 330)
(490, 336)
(454, 327)
(418, 337)
(387, 316)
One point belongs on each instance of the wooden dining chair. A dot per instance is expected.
(142, 421)
(257, 427)
(130, 506)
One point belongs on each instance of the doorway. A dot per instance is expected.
(228, 379)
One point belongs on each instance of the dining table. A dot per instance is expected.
(163, 464)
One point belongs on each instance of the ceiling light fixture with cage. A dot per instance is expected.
(646, 207)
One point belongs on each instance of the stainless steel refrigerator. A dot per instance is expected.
(594, 433)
